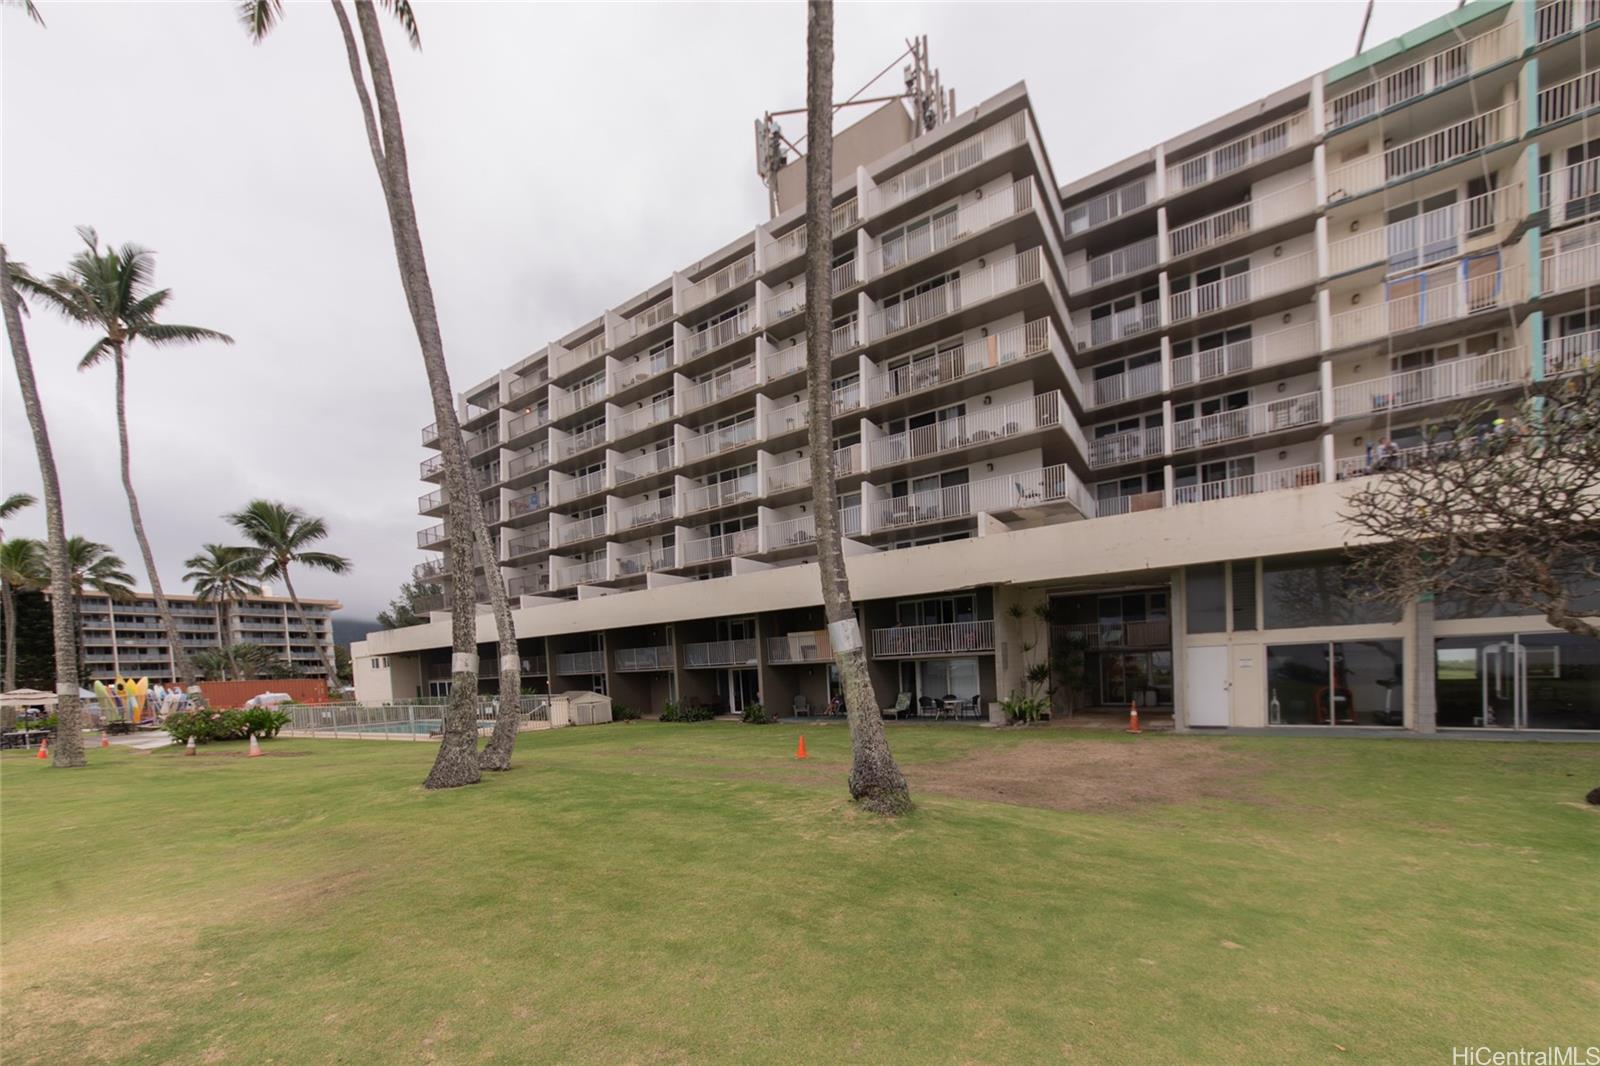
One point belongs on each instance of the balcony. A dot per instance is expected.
(646, 513)
(1112, 205)
(1121, 263)
(581, 397)
(588, 573)
(431, 467)
(527, 422)
(1026, 490)
(952, 228)
(534, 459)
(786, 361)
(1154, 633)
(569, 359)
(655, 461)
(787, 302)
(578, 443)
(727, 279)
(645, 660)
(1141, 316)
(1454, 142)
(528, 585)
(715, 549)
(848, 461)
(998, 349)
(811, 646)
(536, 499)
(715, 335)
(1257, 214)
(580, 663)
(1572, 193)
(1557, 18)
(1454, 380)
(796, 532)
(1257, 420)
(578, 487)
(846, 336)
(1004, 276)
(432, 537)
(1128, 446)
(846, 215)
(645, 562)
(720, 653)
(528, 544)
(950, 638)
(1456, 63)
(788, 476)
(717, 441)
(431, 503)
(980, 427)
(641, 368)
(1128, 385)
(1239, 289)
(650, 318)
(789, 246)
(479, 443)
(524, 387)
(431, 570)
(947, 164)
(1132, 503)
(1569, 354)
(1430, 237)
(1571, 260)
(1279, 346)
(720, 386)
(581, 530)
(1293, 477)
(1437, 301)
(1262, 144)
(1570, 98)
(1362, 465)
(625, 423)
(720, 494)
(430, 434)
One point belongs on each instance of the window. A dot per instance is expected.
(1299, 591)
(1244, 595)
(1207, 599)
(1357, 682)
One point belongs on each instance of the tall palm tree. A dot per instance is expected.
(92, 565)
(111, 293)
(458, 761)
(69, 732)
(21, 568)
(876, 782)
(279, 536)
(224, 575)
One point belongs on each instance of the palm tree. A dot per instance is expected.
(280, 535)
(110, 292)
(458, 761)
(69, 732)
(92, 565)
(223, 574)
(244, 660)
(876, 782)
(21, 567)
(13, 504)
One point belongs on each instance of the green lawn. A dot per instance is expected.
(676, 893)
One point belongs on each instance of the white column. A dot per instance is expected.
(1325, 381)
(1327, 457)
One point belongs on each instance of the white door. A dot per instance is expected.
(1206, 700)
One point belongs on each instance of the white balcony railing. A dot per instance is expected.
(846, 215)
(1429, 301)
(650, 318)
(641, 367)
(929, 372)
(1293, 477)
(427, 538)
(1270, 140)
(645, 562)
(646, 513)
(848, 460)
(722, 332)
(1128, 385)
(581, 663)
(1120, 263)
(583, 529)
(650, 414)
(1456, 141)
(1234, 222)
(727, 279)
(656, 461)
(431, 501)
(1430, 237)
(1574, 352)
(577, 443)
(1001, 494)
(427, 571)
(979, 427)
(1257, 420)
(786, 361)
(645, 660)
(720, 493)
(846, 336)
(720, 653)
(430, 466)
(725, 546)
(952, 161)
(1556, 18)
(1571, 97)
(527, 544)
(951, 228)
(1127, 446)
(1454, 380)
(583, 574)
(1120, 323)
(950, 638)
(1238, 289)
(482, 442)
(527, 422)
(791, 532)
(787, 247)
(528, 585)
(788, 476)
(1459, 61)
(981, 284)
(716, 441)
(573, 488)
(1571, 260)
(719, 386)
(786, 302)
(1099, 210)
(804, 647)
(1106, 507)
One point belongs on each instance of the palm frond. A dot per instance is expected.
(401, 10)
(334, 564)
(161, 334)
(259, 17)
(27, 6)
(14, 503)
(98, 353)
(22, 564)
(145, 307)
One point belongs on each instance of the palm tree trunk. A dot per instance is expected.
(466, 509)
(8, 605)
(876, 782)
(457, 761)
(69, 716)
(222, 636)
(305, 623)
(180, 655)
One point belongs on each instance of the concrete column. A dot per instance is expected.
(1166, 427)
(1328, 469)
(1163, 246)
(1161, 173)
(1319, 112)
(1424, 709)
(1319, 173)
(1168, 494)
(1166, 363)
(1324, 320)
(1165, 299)
(1325, 383)
(1324, 266)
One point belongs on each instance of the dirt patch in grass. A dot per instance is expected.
(1093, 775)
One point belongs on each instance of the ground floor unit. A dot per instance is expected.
(1249, 620)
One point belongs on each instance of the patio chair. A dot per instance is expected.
(801, 705)
(902, 704)
(928, 707)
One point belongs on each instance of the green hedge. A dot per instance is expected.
(205, 726)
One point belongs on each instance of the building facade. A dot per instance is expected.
(127, 639)
(1107, 424)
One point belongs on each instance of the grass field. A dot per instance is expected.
(673, 893)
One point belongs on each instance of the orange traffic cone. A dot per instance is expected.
(105, 739)
(1133, 718)
(189, 748)
(799, 752)
(44, 748)
(255, 747)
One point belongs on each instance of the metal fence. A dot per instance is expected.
(418, 719)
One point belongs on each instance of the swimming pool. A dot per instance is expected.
(423, 726)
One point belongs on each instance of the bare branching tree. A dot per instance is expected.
(876, 782)
(1496, 508)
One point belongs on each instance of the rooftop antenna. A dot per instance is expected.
(1365, 21)
(930, 107)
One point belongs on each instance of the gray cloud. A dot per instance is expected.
(564, 158)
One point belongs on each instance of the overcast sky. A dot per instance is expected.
(564, 158)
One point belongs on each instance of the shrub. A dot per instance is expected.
(755, 714)
(673, 711)
(1024, 708)
(621, 712)
(205, 726)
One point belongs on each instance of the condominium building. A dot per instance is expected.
(1113, 418)
(127, 639)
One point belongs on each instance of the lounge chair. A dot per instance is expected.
(902, 704)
